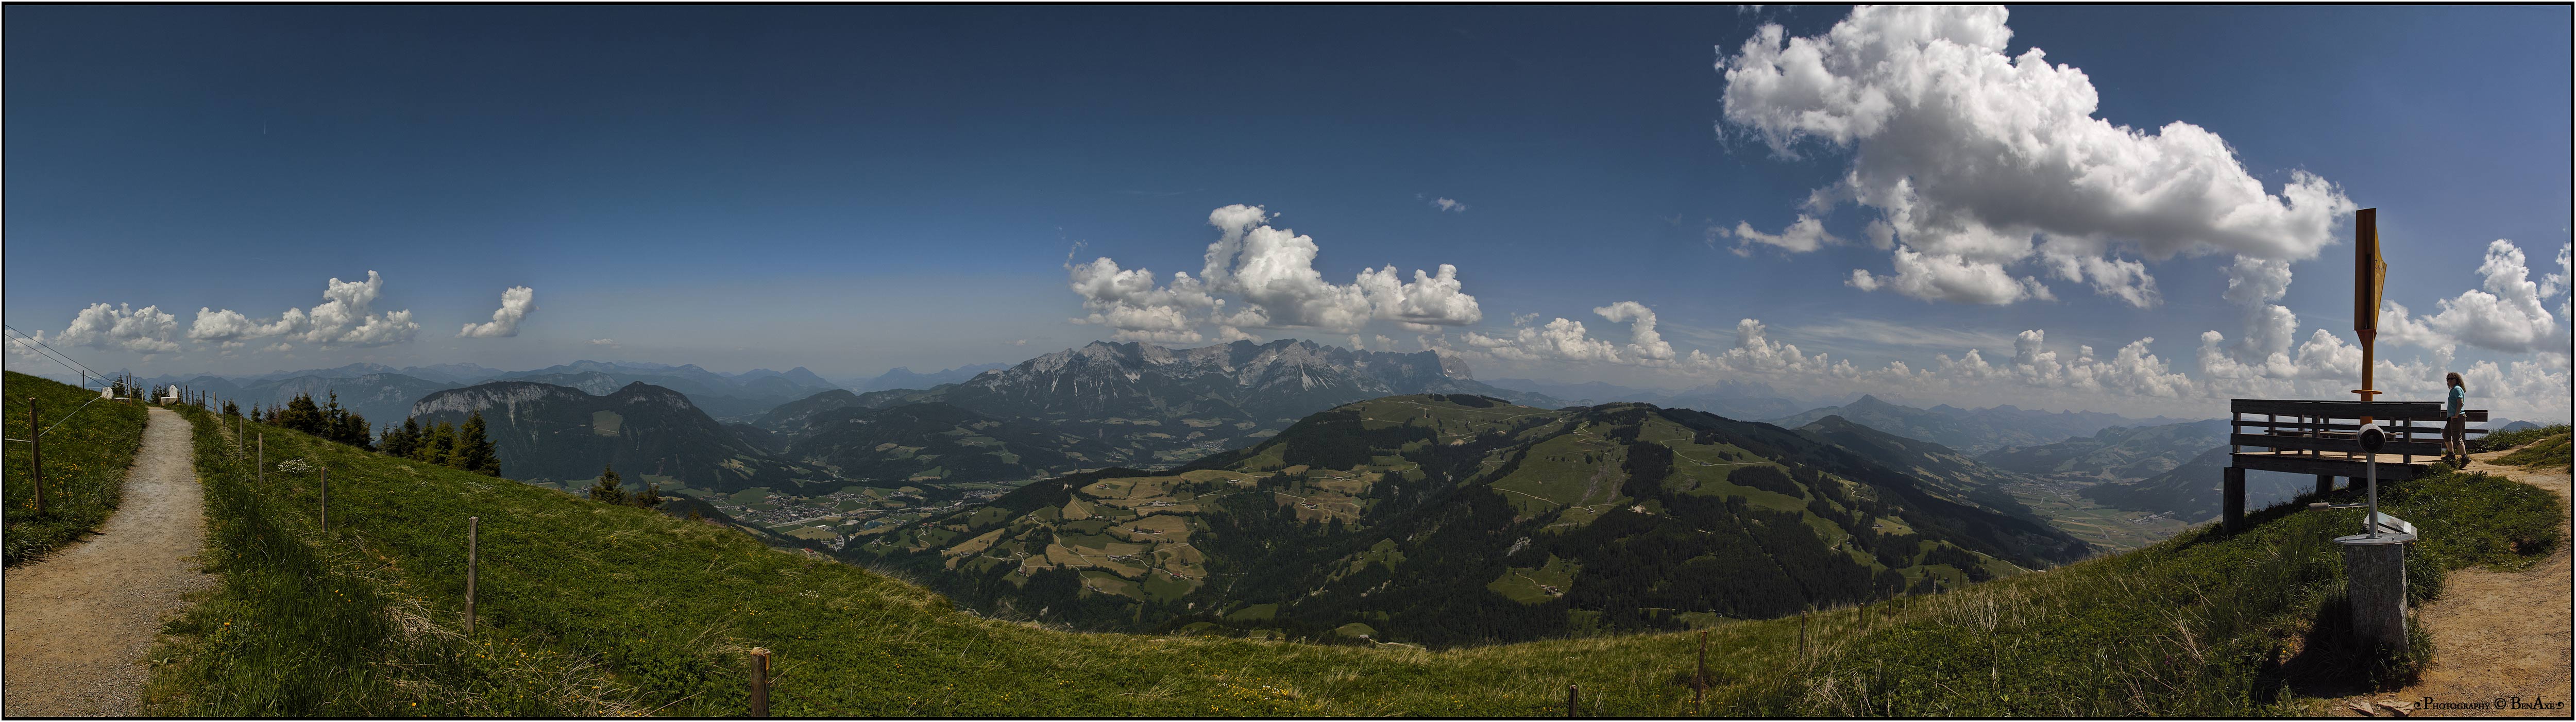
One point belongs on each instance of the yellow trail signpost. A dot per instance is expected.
(2369, 277)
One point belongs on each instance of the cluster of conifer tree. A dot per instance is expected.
(612, 489)
(326, 420)
(446, 444)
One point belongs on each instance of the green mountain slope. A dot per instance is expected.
(590, 609)
(88, 443)
(563, 436)
(1621, 516)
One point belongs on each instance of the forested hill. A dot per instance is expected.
(1453, 519)
(559, 434)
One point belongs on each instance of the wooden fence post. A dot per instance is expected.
(759, 681)
(473, 526)
(1802, 636)
(1699, 683)
(36, 455)
(1573, 698)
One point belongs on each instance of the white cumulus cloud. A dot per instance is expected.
(516, 303)
(346, 317)
(1803, 235)
(1260, 276)
(121, 327)
(2507, 312)
(1970, 158)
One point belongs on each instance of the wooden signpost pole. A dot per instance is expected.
(36, 456)
(2369, 276)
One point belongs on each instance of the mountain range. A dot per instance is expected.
(564, 436)
(384, 394)
(1971, 431)
(1130, 404)
(904, 378)
(1382, 517)
(1096, 406)
(2116, 454)
(1733, 398)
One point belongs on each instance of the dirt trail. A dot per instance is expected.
(2499, 634)
(79, 622)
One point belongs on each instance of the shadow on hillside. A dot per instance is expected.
(2217, 532)
(2333, 662)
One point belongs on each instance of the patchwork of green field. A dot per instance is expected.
(1532, 586)
(1129, 536)
(2110, 528)
(1450, 424)
(1576, 472)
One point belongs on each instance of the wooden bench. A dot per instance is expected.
(2319, 437)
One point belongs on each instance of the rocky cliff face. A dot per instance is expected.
(506, 396)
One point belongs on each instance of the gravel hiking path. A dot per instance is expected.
(79, 622)
(2496, 634)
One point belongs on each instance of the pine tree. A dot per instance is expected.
(303, 415)
(649, 498)
(474, 451)
(231, 409)
(610, 488)
(441, 446)
(403, 441)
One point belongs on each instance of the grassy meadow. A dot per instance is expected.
(593, 609)
(2544, 447)
(86, 456)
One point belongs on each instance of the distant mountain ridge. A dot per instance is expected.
(723, 396)
(1733, 398)
(2116, 454)
(564, 435)
(904, 378)
(378, 386)
(1971, 431)
(1145, 405)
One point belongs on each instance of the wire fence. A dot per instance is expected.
(38, 348)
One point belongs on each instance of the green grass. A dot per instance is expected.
(86, 457)
(623, 610)
(2510, 439)
(2543, 447)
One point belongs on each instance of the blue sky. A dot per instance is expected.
(851, 188)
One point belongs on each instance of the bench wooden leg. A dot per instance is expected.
(2232, 498)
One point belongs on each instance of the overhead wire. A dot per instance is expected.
(57, 356)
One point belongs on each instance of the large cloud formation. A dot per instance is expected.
(120, 327)
(1269, 275)
(1976, 162)
(346, 317)
(516, 303)
(2508, 312)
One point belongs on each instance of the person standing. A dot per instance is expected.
(2455, 426)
